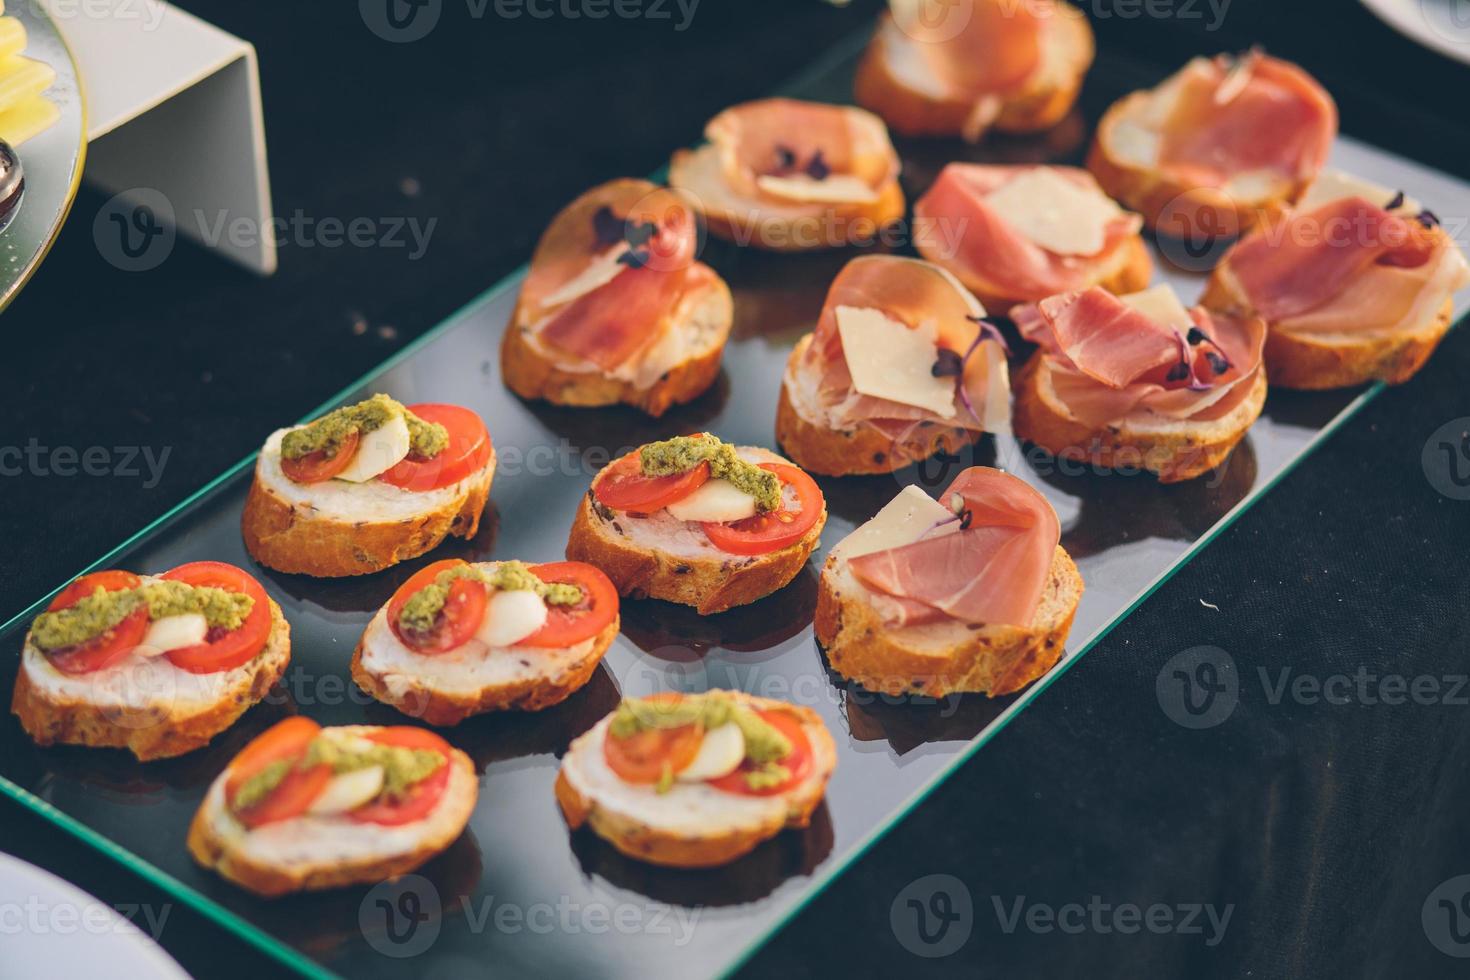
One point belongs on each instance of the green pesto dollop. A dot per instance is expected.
(402, 766)
(99, 612)
(262, 784)
(326, 434)
(683, 453)
(422, 609)
(765, 746)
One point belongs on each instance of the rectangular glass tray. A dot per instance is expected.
(518, 894)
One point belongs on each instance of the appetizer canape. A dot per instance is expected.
(789, 176)
(902, 365)
(964, 67)
(616, 308)
(459, 639)
(1018, 234)
(696, 780)
(367, 486)
(698, 521)
(970, 594)
(304, 807)
(1138, 381)
(1216, 148)
(1354, 284)
(155, 664)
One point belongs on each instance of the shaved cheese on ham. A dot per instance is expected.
(994, 250)
(993, 569)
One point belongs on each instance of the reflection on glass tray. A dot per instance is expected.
(1126, 532)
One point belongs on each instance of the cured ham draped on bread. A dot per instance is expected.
(1138, 381)
(902, 365)
(616, 308)
(965, 67)
(1015, 234)
(1354, 284)
(787, 175)
(969, 593)
(1222, 144)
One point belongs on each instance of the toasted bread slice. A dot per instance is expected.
(881, 85)
(1174, 450)
(675, 371)
(692, 825)
(861, 450)
(1317, 361)
(527, 678)
(941, 658)
(774, 226)
(336, 529)
(644, 562)
(313, 853)
(145, 705)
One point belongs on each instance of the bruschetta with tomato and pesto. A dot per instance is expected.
(696, 780)
(155, 664)
(698, 521)
(460, 639)
(616, 307)
(303, 808)
(367, 486)
(969, 593)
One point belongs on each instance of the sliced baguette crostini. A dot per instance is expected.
(695, 781)
(968, 66)
(157, 665)
(367, 486)
(902, 365)
(973, 593)
(1138, 382)
(1018, 234)
(786, 175)
(1355, 285)
(305, 808)
(458, 639)
(1221, 145)
(615, 307)
(697, 521)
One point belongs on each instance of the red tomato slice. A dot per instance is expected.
(774, 529)
(318, 467)
(643, 756)
(107, 648)
(799, 762)
(458, 621)
(112, 580)
(624, 487)
(282, 742)
(567, 626)
(468, 450)
(224, 649)
(424, 795)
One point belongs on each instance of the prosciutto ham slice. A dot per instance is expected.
(611, 270)
(910, 292)
(990, 249)
(989, 566)
(1108, 361)
(1345, 266)
(974, 48)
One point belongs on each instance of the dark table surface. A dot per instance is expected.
(1322, 816)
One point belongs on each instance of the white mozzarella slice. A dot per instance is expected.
(720, 754)
(1334, 185)
(348, 791)
(1060, 215)
(173, 633)
(716, 500)
(1160, 304)
(903, 520)
(603, 269)
(511, 616)
(378, 451)
(889, 360)
(836, 189)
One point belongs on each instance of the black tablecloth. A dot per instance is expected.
(1319, 815)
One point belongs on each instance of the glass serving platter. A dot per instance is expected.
(520, 895)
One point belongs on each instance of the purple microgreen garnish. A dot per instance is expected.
(639, 234)
(785, 158)
(1427, 218)
(818, 169)
(1217, 362)
(1396, 203)
(1195, 335)
(634, 258)
(949, 364)
(966, 518)
(607, 226)
(1178, 372)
